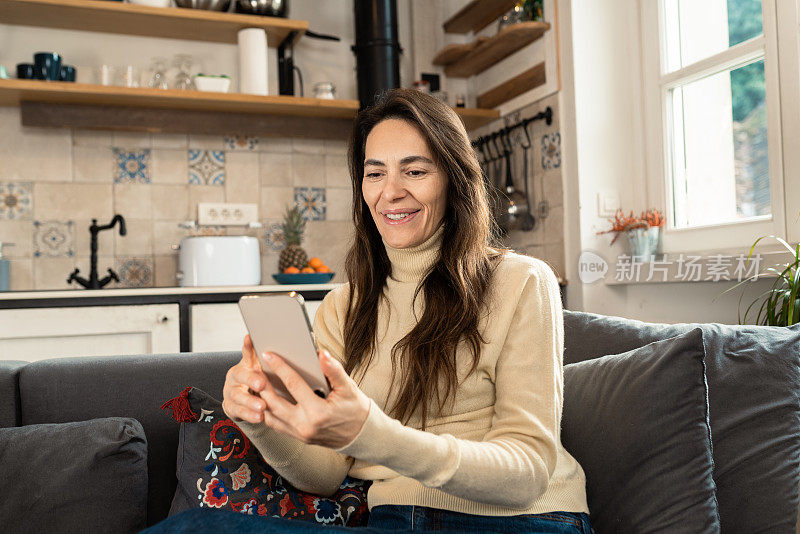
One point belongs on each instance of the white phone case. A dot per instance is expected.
(279, 323)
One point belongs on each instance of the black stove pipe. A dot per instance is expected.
(377, 49)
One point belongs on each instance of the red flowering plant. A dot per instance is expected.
(622, 223)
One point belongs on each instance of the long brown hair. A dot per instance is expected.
(454, 289)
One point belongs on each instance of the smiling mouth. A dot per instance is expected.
(399, 216)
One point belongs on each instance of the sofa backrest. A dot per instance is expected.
(78, 389)
(9, 392)
(753, 376)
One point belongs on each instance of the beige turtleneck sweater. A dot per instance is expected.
(498, 452)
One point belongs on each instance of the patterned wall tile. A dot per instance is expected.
(132, 166)
(240, 142)
(311, 201)
(16, 200)
(53, 239)
(551, 150)
(274, 237)
(206, 167)
(135, 271)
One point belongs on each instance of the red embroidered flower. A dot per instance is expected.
(215, 494)
(262, 510)
(286, 505)
(230, 438)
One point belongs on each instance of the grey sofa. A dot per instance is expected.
(79, 389)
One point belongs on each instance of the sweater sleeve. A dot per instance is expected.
(512, 466)
(311, 468)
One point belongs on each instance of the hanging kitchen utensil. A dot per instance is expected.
(514, 205)
(528, 221)
(495, 196)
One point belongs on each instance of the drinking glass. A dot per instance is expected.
(183, 80)
(158, 80)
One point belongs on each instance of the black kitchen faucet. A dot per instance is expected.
(93, 282)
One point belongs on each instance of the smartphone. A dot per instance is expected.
(279, 323)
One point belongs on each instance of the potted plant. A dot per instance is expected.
(780, 304)
(642, 231)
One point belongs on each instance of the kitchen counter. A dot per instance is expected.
(151, 291)
(184, 297)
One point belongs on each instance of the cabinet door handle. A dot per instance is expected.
(163, 319)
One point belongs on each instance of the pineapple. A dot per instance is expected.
(293, 226)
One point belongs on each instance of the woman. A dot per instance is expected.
(444, 354)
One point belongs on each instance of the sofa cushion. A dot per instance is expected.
(76, 389)
(754, 399)
(88, 476)
(637, 423)
(219, 468)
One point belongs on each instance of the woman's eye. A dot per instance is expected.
(372, 175)
(417, 173)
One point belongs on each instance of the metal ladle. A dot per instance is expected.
(515, 205)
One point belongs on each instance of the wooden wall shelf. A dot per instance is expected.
(477, 15)
(12, 92)
(463, 61)
(133, 19)
(73, 105)
(525, 81)
(475, 117)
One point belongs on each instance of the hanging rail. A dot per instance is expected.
(504, 133)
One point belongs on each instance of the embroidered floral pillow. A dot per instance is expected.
(218, 467)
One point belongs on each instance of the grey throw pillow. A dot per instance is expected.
(638, 424)
(754, 400)
(88, 476)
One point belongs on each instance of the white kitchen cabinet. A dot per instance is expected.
(37, 333)
(220, 327)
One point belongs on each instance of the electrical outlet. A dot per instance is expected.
(607, 204)
(226, 214)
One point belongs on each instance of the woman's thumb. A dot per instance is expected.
(333, 370)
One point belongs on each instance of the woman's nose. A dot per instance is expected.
(393, 188)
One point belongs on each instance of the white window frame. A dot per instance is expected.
(781, 79)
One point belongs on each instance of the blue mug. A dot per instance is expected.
(48, 64)
(27, 71)
(67, 73)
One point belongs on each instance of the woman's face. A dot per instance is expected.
(405, 190)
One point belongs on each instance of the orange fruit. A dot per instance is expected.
(323, 269)
(291, 270)
(315, 262)
(307, 270)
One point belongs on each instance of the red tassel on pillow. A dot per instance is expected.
(181, 411)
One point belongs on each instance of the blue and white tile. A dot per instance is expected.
(274, 240)
(16, 200)
(132, 166)
(206, 167)
(311, 201)
(240, 142)
(135, 271)
(551, 150)
(53, 239)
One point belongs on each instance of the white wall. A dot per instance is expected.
(603, 149)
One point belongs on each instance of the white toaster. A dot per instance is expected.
(219, 261)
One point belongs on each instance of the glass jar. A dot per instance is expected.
(324, 90)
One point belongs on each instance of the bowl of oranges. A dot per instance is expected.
(315, 272)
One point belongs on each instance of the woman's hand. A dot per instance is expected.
(243, 382)
(332, 422)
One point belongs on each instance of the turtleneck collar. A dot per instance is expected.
(410, 264)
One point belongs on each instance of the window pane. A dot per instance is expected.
(720, 163)
(697, 29)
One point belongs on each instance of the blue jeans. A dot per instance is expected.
(386, 518)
